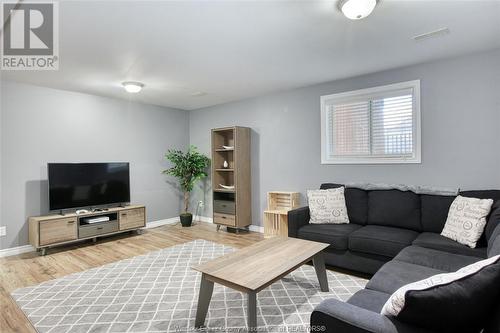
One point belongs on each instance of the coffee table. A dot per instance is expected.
(255, 267)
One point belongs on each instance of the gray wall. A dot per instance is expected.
(460, 139)
(460, 131)
(40, 125)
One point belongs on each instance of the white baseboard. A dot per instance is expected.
(153, 224)
(16, 250)
(256, 228)
(159, 223)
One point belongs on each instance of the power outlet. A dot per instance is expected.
(3, 231)
(201, 203)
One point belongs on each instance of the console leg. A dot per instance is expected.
(94, 240)
(218, 227)
(139, 231)
(237, 231)
(44, 251)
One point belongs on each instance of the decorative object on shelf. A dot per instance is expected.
(231, 183)
(276, 215)
(188, 168)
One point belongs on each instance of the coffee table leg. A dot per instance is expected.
(206, 289)
(252, 312)
(319, 266)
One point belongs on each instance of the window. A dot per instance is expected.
(372, 126)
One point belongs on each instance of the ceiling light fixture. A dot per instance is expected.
(132, 87)
(357, 9)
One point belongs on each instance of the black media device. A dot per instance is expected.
(75, 185)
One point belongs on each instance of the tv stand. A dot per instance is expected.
(52, 230)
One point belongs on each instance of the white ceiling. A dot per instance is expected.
(235, 50)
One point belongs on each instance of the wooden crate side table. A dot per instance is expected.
(276, 215)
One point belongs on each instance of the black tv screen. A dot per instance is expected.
(74, 185)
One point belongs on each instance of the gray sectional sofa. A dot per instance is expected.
(394, 236)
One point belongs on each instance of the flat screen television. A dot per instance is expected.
(75, 185)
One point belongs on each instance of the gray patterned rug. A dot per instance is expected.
(158, 292)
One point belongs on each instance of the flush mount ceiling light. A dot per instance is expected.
(132, 86)
(357, 9)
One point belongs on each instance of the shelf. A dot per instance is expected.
(222, 149)
(223, 190)
(226, 170)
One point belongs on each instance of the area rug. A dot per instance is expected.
(158, 292)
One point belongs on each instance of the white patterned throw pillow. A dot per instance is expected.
(466, 220)
(327, 206)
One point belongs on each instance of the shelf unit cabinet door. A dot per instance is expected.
(132, 218)
(56, 231)
(225, 219)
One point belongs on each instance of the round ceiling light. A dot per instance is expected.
(132, 87)
(357, 9)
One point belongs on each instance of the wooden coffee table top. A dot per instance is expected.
(256, 266)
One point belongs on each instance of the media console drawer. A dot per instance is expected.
(90, 230)
(132, 218)
(58, 230)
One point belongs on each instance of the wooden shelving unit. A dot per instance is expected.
(232, 207)
(276, 215)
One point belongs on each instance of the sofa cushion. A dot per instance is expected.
(356, 201)
(437, 242)
(494, 243)
(396, 274)
(394, 208)
(435, 211)
(482, 194)
(334, 234)
(369, 299)
(493, 220)
(384, 241)
(441, 260)
(460, 301)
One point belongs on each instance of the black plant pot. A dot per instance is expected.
(186, 219)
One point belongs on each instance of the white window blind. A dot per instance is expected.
(376, 125)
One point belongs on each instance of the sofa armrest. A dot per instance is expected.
(296, 219)
(332, 315)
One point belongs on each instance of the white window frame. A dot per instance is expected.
(363, 93)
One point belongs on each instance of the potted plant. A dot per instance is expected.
(188, 168)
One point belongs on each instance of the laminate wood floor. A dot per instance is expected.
(30, 269)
